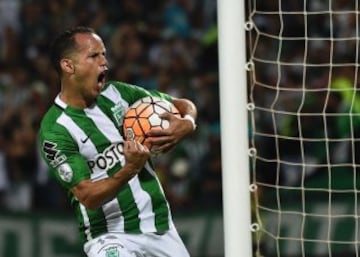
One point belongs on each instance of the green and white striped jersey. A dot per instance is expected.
(79, 144)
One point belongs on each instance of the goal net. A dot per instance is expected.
(304, 109)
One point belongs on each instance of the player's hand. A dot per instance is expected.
(163, 140)
(136, 156)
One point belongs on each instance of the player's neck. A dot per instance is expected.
(75, 100)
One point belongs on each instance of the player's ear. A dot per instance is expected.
(67, 65)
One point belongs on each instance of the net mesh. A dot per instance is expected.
(304, 106)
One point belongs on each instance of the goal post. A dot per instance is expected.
(234, 129)
(304, 94)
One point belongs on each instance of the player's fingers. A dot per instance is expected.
(162, 149)
(132, 146)
(166, 115)
(141, 148)
(161, 140)
(127, 145)
(155, 132)
(136, 145)
(131, 143)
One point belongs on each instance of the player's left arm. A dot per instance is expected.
(186, 108)
(164, 140)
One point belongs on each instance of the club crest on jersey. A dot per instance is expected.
(112, 252)
(118, 111)
(65, 172)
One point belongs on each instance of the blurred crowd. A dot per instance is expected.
(304, 84)
(169, 45)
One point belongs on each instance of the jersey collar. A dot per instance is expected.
(60, 102)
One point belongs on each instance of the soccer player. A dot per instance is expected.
(118, 200)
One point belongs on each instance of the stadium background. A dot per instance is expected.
(306, 68)
(167, 45)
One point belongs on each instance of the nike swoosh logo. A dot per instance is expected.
(84, 140)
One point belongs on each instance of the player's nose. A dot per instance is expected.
(103, 61)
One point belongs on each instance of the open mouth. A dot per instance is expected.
(102, 78)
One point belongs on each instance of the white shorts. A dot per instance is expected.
(168, 244)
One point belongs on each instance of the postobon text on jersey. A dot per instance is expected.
(111, 156)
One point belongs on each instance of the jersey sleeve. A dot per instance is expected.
(132, 93)
(61, 154)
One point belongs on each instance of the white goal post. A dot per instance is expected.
(234, 141)
(304, 106)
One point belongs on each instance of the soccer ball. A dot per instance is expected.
(143, 115)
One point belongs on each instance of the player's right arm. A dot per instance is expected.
(94, 194)
(72, 171)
